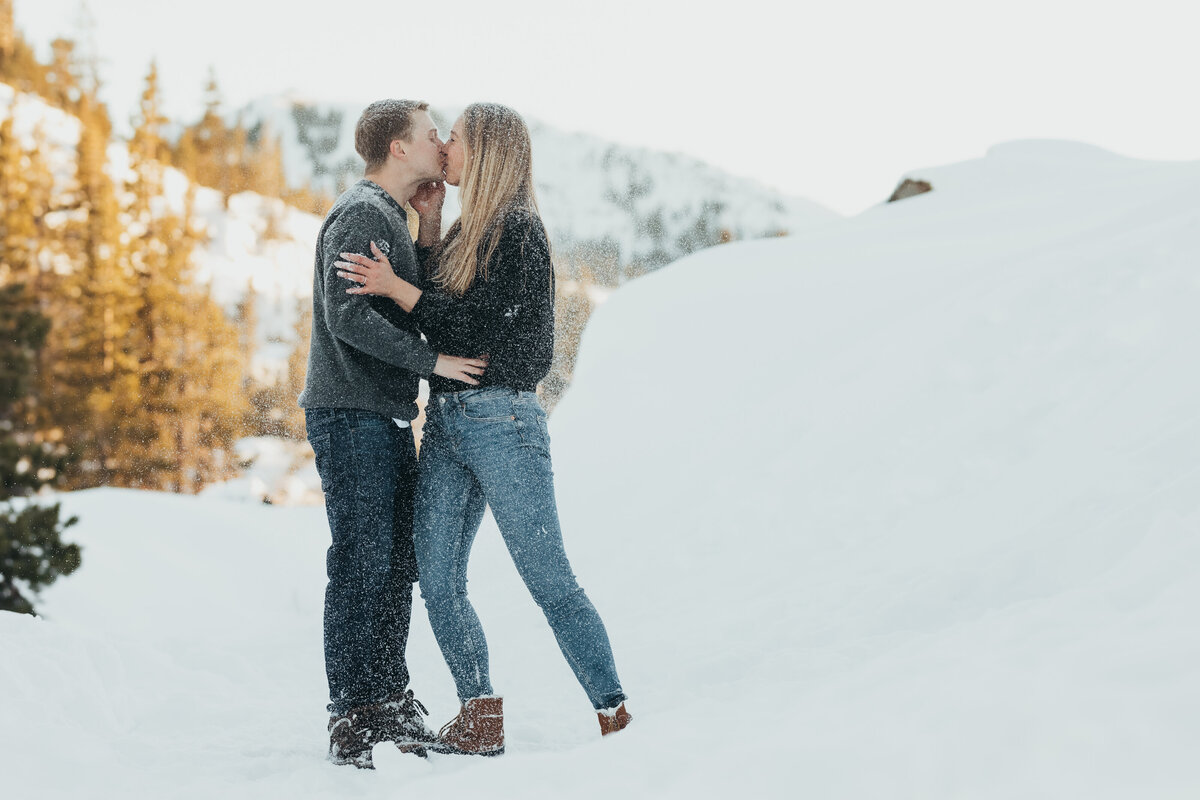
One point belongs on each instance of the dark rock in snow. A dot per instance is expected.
(910, 188)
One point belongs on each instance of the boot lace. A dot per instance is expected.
(450, 726)
(411, 703)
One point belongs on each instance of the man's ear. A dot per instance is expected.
(397, 149)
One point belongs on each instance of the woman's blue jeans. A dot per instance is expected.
(490, 447)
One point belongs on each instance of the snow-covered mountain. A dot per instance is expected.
(940, 541)
(604, 201)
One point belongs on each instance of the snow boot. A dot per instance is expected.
(613, 719)
(478, 730)
(351, 737)
(400, 721)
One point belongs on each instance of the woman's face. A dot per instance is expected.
(455, 152)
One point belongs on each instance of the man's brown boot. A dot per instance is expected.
(478, 730)
(613, 719)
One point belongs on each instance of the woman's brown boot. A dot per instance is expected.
(613, 719)
(478, 730)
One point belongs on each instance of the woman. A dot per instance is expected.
(490, 294)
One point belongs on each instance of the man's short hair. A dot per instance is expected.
(382, 123)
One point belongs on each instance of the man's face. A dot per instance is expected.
(454, 154)
(424, 148)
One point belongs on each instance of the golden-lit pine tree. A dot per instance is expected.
(19, 172)
(8, 32)
(571, 312)
(190, 362)
(233, 159)
(274, 411)
(265, 176)
(204, 151)
(236, 158)
(19, 65)
(93, 378)
(262, 398)
(27, 243)
(63, 89)
(265, 157)
(18, 212)
(297, 368)
(247, 323)
(214, 384)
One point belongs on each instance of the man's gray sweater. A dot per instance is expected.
(366, 353)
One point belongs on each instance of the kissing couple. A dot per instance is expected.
(472, 313)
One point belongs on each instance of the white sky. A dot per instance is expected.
(831, 101)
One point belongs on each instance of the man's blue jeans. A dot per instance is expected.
(490, 447)
(368, 471)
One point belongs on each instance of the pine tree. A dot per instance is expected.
(247, 323)
(8, 33)
(297, 369)
(235, 159)
(274, 411)
(63, 76)
(571, 312)
(18, 232)
(32, 553)
(90, 383)
(205, 149)
(19, 65)
(239, 159)
(27, 242)
(265, 156)
(189, 362)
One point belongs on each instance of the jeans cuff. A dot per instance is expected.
(612, 703)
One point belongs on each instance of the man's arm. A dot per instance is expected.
(350, 317)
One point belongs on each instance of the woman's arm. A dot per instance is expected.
(493, 309)
(518, 294)
(376, 277)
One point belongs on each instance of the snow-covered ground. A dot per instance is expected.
(907, 510)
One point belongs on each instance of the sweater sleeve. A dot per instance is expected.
(350, 316)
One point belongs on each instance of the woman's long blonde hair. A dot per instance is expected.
(497, 179)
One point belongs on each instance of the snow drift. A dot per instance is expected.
(901, 507)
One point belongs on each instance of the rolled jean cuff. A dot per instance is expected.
(612, 702)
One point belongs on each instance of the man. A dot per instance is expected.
(364, 367)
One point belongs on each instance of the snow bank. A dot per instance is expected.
(902, 507)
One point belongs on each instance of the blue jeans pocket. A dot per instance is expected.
(492, 405)
(530, 420)
(322, 450)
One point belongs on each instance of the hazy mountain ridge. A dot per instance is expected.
(611, 205)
